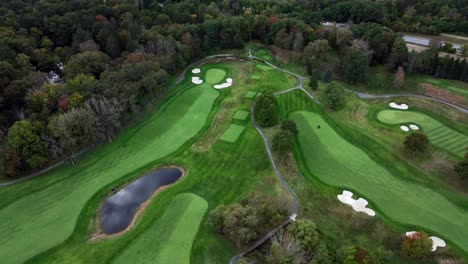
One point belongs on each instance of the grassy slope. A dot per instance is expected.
(49, 214)
(439, 135)
(208, 173)
(170, 238)
(338, 163)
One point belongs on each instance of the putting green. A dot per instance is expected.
(169, 240)
(336, 162)
(439, 134)
(241, 115)
(264, 67)
(215, 75)
(250, 95)
(44, 217)
(232, 133)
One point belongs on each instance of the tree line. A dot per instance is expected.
(118, 53)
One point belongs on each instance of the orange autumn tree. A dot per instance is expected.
(417, 245)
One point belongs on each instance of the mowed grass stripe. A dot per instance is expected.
(169, 240)
(336, 162)
(439, 135)
(49, 215)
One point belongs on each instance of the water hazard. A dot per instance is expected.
(118, 210)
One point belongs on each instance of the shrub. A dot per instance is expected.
(416, 141)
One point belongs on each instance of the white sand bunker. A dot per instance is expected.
(414, 127)
(436, 241)
(404, 128)
(227, 84)
(398, 106)
(358, 205)
(196, 70)
(197, 80)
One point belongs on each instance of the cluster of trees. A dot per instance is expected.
(334, 96)
(416, 142)
(266, 109)
(125, 50)
(243, 222)
(424, 16)
(283, 139)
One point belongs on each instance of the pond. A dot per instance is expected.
(118, 210)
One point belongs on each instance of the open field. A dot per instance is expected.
(336, 162)
(169, 240)
(439, 135)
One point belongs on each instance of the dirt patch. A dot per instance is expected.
(436, 92)
(99, 234)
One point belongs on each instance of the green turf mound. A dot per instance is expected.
(250, 95)
(55, 207)
(241, 115)
(170, 238)
(439, 134)
(264, 67)
(215, 75)
(232, 133)
(336, 162)
(255, 77)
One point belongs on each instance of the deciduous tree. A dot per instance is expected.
(416, 141)
(417, 245)
(399, 79)
(266, 109)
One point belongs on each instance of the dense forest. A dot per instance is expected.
(73, 72)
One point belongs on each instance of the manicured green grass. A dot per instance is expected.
(439, 134)
(250, 95)
(232, 133)
(45, 216)
(255, 77)
(169, 240)
(35, 212)
(241, 115)
(272, 79)
(336, 162)
(264, 67)
(215, 75)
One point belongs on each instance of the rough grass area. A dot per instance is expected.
(56, 199)
(169, 240)
(336, 162)
(215, 76)
(255, 77)
(232, 133)
(439, 134)
(250, 95)
(241, 115)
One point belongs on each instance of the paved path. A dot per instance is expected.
(373, 96)
(293, 215)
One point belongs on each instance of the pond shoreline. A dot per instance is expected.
(99, 234)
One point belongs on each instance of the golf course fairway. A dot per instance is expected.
(336, 162)
(169, 240)
(37, 220)
(439, 135)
